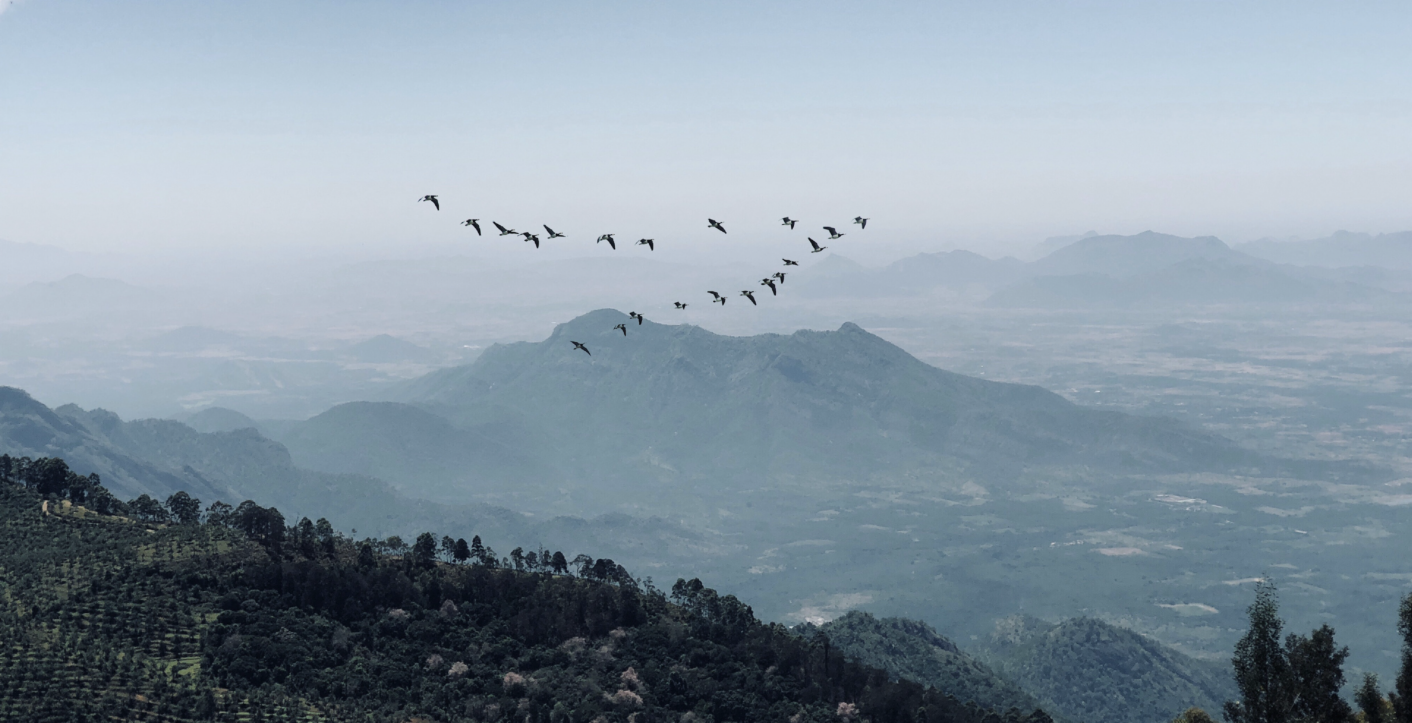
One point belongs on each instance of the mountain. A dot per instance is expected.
(912, 650)
(240, 618)
(76, 295)
(219, 419)
(1343, 248)
(1190, 282)
(669, 407)
(919, 274)
(400, 442)
(1121, 256)
(385, 349)
(1054, 243)
(1085, 669)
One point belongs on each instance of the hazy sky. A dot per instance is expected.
(316, 125)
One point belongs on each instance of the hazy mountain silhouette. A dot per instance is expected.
(1122, 256)
(1085, 669)
(76, 295)
(1342, 249)
(913, 275)
(219, 419)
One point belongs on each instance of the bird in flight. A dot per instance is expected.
(787, 262)
(646, 242)
(860, 221)
(770, 283)
(713, 223)
(832, 233)
(553, 233)
(749, 295)
(817, 247)
(679, 304)
(505, 231)
(531, 237)
(580, 346)
(474, 223)
(780, 275)
(635, 315)
(431, 197)
(790, 222)
(609, 238)
(623, 328)
(717, 298)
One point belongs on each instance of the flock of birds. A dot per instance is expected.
(773, 281)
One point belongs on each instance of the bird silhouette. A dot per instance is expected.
(679, 304)
(770, 283)
(860, 221)
(505, 231)
(832, 233)
(646, 242)
(531, 237)
(713, 223)
(790, 222)
(780, 275)
(714, 295)
(623, 328)
(817, 247)
(473, 222)
(553, 233)
(749, 295)
(787, 262)
(635, 315)
(609, 238)
(580, 346)
(431, 197)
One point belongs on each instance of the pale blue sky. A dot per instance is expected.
(989, 125)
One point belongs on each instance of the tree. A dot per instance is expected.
(1402, 700)
(324, 529)
(477, 549)
(366, 559)
(559, 564)
(424, 551)
(448, 548)
(1193, 715)
(184, 508)
(1370, 700)
(462, 552)
(306, 538)
(264, 525)
(1316, 665)
(147, 509)
(583, 564)
(7, 468)
(517, 558)
(1262, 670)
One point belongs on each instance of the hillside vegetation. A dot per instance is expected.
(233, 615)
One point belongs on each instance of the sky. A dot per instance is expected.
(245, 128)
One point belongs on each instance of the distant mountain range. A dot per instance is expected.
(1343, 248)
(1108, 271)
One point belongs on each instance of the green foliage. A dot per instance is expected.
(1262, 670)
(245, 619)
(1402, 699)
(1193, 715)
(914, 651)
(1316, 665)
(1372, 706)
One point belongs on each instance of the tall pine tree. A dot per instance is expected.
(1262, 670)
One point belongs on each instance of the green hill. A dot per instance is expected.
(240, 618)
(1085, 669)
(914, 651)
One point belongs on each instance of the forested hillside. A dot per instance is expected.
(167, 612)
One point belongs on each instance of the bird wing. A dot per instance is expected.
(497, 225)
(830, 229)
(476, 224)
(436, 203)
(611, 244)
(814, 243)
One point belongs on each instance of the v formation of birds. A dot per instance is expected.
(772, 282)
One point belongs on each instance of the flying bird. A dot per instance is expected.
(790, 222)
(623, 328)
(787, 262)
(679, 304)
(580, 346)
(609, 238)
(832, 233)
(473, 222)
(553, 233)
(646, 242)
(770, 283)
(505, 231)
(817, 247)
(749, 295)
(717, 298)
(713, 223)
(531, 237)
(860, 221)
(635, 315)
(780, 275)
(431, 197)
